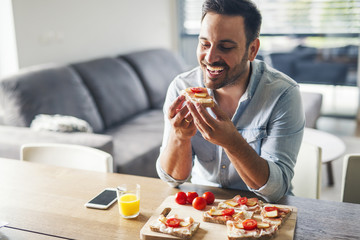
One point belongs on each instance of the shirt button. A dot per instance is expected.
(223, 166)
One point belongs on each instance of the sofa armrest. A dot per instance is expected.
(11, 139)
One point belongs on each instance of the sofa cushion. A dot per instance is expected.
(137, 143)
(117, 91)
(46, 89)
(156, 68)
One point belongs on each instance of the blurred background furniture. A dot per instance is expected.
(68, 155)
(330, 66)
(307, 172)
(332, 148)
(351, 179)
(120, 97)
(312, 103)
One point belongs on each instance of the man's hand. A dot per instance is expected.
(181, 120)
(176, 159)
(220, 130)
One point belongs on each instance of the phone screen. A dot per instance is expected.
(106, 197)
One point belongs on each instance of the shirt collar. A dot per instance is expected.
(254, 80)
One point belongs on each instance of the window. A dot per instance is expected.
(331, 28)
(289, 17)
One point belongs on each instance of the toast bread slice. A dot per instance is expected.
(214, 216)
(198, 95)
(279, 218)
(252, 204)
(266, 231)
(184, 232)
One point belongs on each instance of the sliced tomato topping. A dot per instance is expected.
(197, 89)
(228, 212)
(173, 222)
(242, 200)
(270, 208)
(249, 224)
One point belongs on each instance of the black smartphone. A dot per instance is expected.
(103, 200)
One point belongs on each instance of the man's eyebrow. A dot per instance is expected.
(222, 41)
(228, 41)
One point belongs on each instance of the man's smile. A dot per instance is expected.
(213, 71)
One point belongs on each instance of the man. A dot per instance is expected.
(251, 138)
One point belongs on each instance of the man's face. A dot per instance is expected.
(222, 52)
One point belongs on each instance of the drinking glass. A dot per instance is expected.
(129, 200)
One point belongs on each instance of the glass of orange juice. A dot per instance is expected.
(129, 200)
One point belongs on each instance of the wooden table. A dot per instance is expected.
(46, 202)
(332, 148)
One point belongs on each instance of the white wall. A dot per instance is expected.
(72, 30)
(8, 55)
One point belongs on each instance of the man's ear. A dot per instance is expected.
(253, 49)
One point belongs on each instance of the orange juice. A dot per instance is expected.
(129, 205)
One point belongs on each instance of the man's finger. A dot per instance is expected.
(205, 115)
(176, 106)
(198, 119)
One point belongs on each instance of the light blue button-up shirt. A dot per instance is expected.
(269, 116)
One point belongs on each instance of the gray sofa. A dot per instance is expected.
(120, 97)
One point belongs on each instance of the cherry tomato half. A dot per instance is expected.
(199, 203)
(242, 200)
(228, 212)
(191, 196)
(181, 198)
(173, 222)
(209, 197)
(249, 224)
(197, 89)
(270, 208)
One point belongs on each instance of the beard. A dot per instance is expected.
(229, 77)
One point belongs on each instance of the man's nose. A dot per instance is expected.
(212, 55)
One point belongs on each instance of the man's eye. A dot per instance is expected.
(204, 44)
(226, 48)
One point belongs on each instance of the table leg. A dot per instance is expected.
(330, 174)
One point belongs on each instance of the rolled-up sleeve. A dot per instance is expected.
(166, 177)
(281, 147)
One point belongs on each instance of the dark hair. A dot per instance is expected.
(244, 8)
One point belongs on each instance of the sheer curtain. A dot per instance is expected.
(8, 53)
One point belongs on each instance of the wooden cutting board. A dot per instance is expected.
(208, 231)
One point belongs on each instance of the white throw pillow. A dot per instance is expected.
(59, 123)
